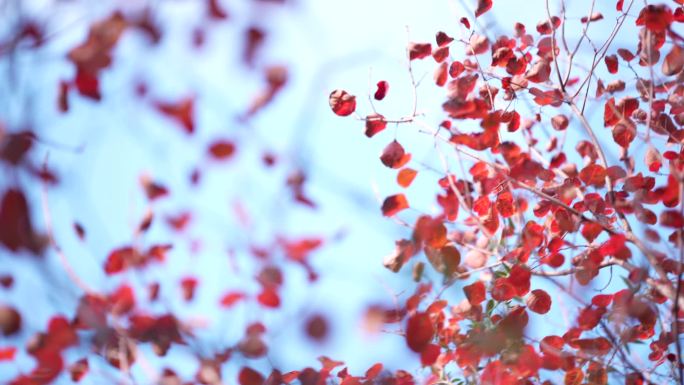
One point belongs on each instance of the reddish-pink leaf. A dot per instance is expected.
(559, 122)
(7, 353)
(79, 369)
(380, 93)
(342, 103)
(188, 286)
(653, 159)
(475, 292)
(625, 54)
(393, 156)
(394, 204)
(656, 18)
(465, 22)
(406, 176)
(429, 354)
(419, 50)
(612, 63)
(122, 300)
(222, 149)
(16, 229)
(316, 327)
(373, 371)
(672, 218)
(593, 174)
(249, 376)
(181, 111)
(596, 16)
(215, 10)
(443, 39)
(674, 61)
(269, 297)
(602, 300)
(374, 124)
(482, 7)
(539, 301)
(419, 332)
(502, 290)
(231, 298)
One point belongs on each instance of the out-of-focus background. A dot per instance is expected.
(100, 151)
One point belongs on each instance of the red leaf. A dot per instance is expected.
(374, 124)
(596, 16)
(7, 353)
(373, 371)
(269, 298)
(653, 159)
(593, 174)
(625, 54)
(672, 218)
(602, 300)
(540, 72)
(443, 39)
(502, 290)
(475, 292)
(656, 18)
(406, 176)
(317, 327)
(611, 63)
(504, 204)
(215, 10)
(539, 301)
(16, 230)
(79, 369)
(441, 74)
(181, 111)
(394, 204)
(465, 22)
(231, 298)
(482, 7)
(419, 332)
(674, 61)
(559, 122)
(88, 85)
(393, 156)
(613, 245)
(429, 354)
(153, 190)
(249, 376)
(188, 286)
(380, 93)
(122, 300)
(419, 50)
(590, 317)
(342, 103)
(591, 230)
(222, 149)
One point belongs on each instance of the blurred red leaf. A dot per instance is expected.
(342, 103)
(181, 111)
(381, 91)
(222, 149)
(419, 50)
(393, 156)
(394, 204)
(419, 332)
(539, 301)
(482, 7)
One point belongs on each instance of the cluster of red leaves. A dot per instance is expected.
(562, 197)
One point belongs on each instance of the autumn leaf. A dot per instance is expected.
(342, 103)
(393, 204)
(419, 332)
(482, 7)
